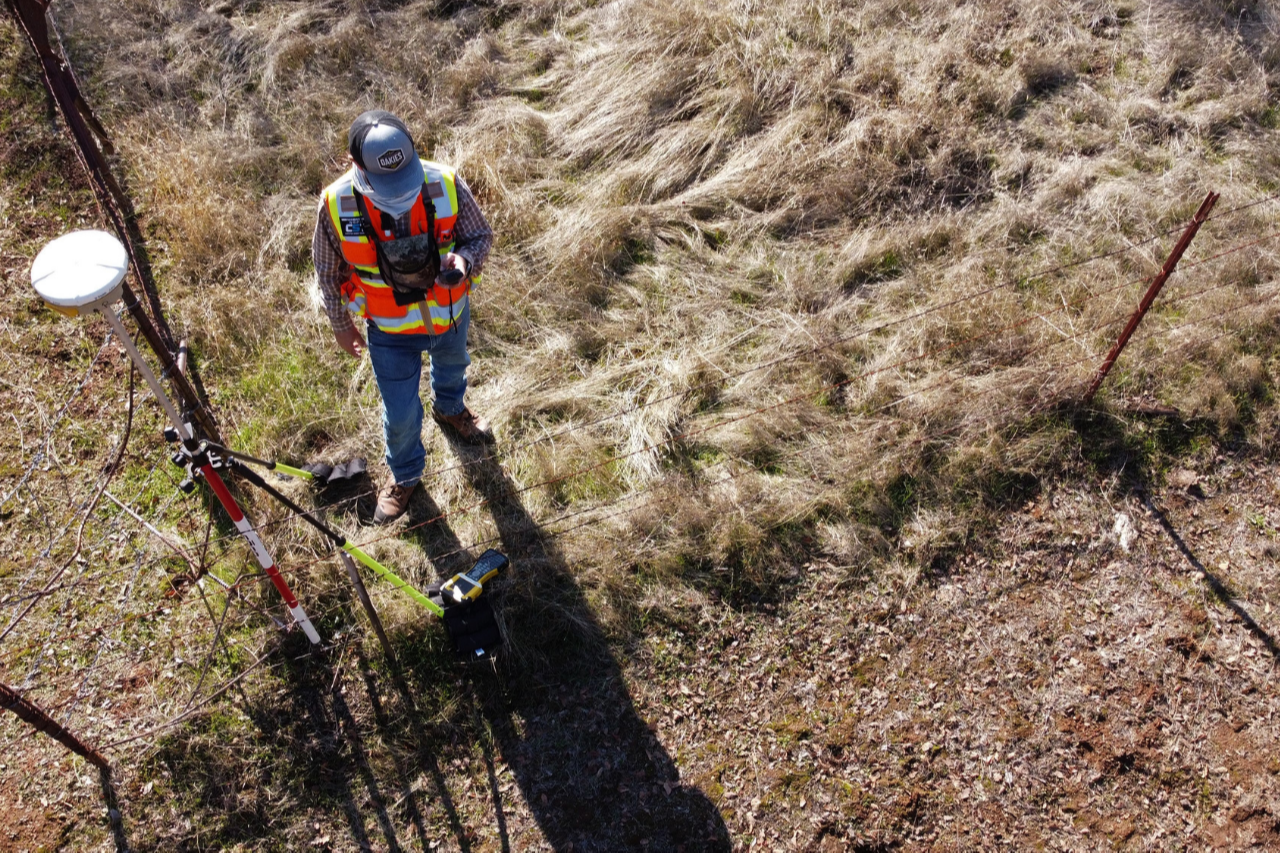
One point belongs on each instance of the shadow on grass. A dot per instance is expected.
(114, 817)
(305, 744)
(590, 770)
(1130, 445)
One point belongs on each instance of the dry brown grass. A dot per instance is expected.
(685, 192)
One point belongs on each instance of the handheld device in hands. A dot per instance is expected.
(450, 277)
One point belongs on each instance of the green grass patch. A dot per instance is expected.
(293, 396)
(1142, 447)
(599, 484)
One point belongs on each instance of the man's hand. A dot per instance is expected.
(351, 341)
(454, 261)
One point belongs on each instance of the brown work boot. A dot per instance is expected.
(393, 500)
(465, 425)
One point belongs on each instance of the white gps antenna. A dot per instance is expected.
(83, 272)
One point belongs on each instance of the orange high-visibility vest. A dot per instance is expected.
(367, 294)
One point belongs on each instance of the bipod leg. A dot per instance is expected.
(337, 538)
(334, 536)
(397, 674)
(269, 464)
(363, 594)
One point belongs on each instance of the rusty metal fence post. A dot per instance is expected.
(33, 715)
(1170, 264)
(83, 126)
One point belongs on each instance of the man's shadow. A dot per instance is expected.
(592, 772)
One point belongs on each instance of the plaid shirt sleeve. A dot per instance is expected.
(473, 238)
(331, 271)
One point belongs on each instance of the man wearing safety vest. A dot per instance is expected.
(400, 242)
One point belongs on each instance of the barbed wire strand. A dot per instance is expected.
(552, 481)
(1237, 209)
(800, 451)
(40, 455)
(731, 375)
(56, 537)
(1187, 266)
(728, 376)
(99, 489)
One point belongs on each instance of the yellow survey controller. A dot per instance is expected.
(468, 585)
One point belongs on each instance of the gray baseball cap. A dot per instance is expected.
(382, 148)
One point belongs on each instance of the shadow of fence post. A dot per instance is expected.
(114, 816)
(1216, 586)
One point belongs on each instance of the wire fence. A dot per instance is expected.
(162, 617)
(726, 377)
(128, 609)
(125, 610)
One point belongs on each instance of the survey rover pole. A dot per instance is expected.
(216, 483)
(84, 271)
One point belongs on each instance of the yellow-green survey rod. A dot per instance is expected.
(337, 538)
(383, 572)
(270, 465)
(290, 470)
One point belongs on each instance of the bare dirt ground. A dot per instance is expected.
(1049, 689)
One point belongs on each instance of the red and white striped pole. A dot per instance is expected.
(259, 549)
(215, 482)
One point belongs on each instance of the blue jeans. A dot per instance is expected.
(397, 366)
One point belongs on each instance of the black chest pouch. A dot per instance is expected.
(409, 264)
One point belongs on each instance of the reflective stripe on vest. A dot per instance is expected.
(367, 293)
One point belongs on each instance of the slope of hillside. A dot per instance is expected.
(784, 337)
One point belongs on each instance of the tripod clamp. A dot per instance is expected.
(192, 457)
